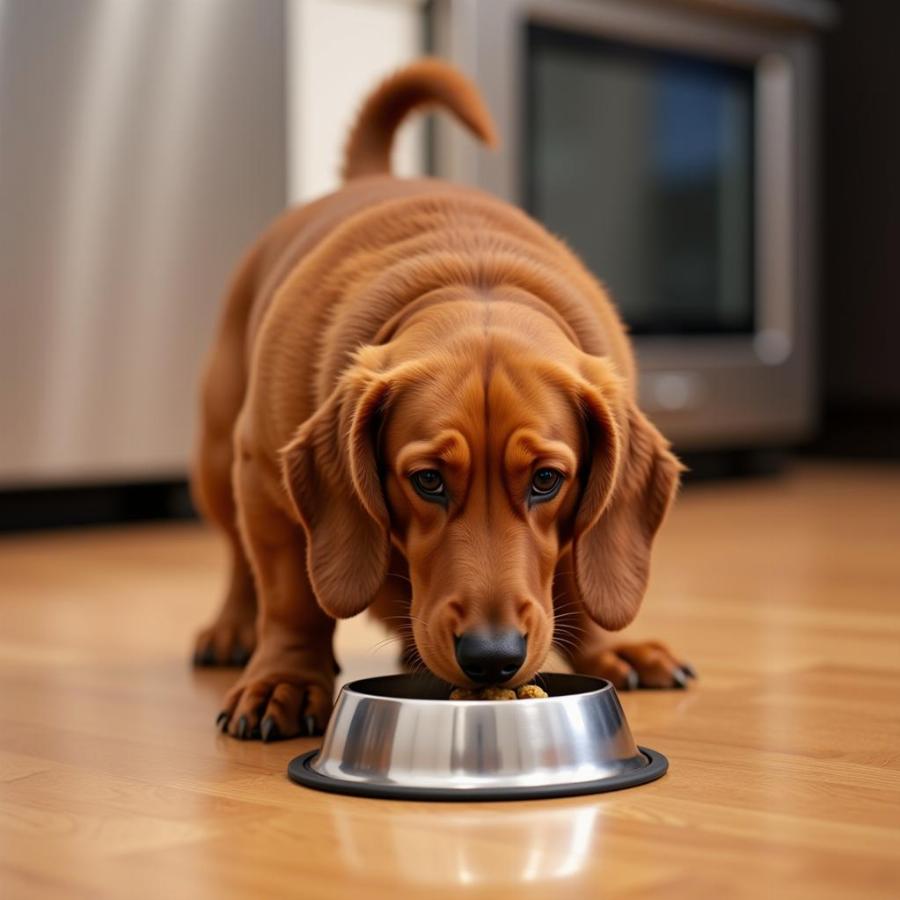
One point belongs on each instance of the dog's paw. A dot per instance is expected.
(644, 664)
(229, 641)
(284, 705)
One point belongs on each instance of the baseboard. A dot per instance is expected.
(101, 504)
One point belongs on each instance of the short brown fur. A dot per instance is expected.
(401, 324)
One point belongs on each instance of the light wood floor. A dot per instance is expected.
(785, 756)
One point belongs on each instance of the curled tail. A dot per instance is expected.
(427, 82)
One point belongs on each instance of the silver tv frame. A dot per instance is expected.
(704, 391)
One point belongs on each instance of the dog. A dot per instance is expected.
(420, 402)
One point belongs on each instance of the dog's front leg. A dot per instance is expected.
(591, 650)
(287, 688)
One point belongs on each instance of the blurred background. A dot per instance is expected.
(727, 167)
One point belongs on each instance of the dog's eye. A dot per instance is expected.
(429, 484)
(545, 484)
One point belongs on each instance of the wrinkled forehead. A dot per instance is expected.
(486, 402)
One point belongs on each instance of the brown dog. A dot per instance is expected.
(420, 401)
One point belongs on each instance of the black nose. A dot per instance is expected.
(490, 657)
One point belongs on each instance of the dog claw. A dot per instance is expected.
(222, 720)
(311, 725)
(205, 657)
(632, 681)
(269, 730)
(689, 670)
(680, 678)
(240, 656)
(243, 728)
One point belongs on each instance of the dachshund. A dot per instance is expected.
(420, 402)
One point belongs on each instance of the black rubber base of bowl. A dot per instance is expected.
(299, 771)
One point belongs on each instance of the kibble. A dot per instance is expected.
(531, 692)
(524, 692)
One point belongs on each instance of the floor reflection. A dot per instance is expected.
(479, 845)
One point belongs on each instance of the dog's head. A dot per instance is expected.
(484, 459)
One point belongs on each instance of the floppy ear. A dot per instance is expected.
(631, 482)
(331, 476)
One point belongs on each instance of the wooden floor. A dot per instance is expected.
(785, 756)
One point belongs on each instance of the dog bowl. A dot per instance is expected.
(399, 736)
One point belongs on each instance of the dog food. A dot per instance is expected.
(531, 692)
(525, 692)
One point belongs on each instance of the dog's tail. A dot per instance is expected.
(427, 82)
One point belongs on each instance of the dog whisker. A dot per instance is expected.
(401, 577)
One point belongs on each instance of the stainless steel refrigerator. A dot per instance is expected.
(142, 147)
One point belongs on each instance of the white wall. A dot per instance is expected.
(338, 51)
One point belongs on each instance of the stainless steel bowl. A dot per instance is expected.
(399, 736)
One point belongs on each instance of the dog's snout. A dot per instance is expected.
(490, 657)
